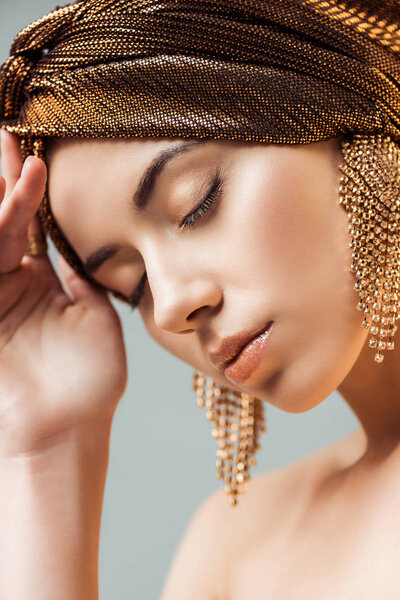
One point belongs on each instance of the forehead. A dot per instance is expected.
(91, 179)
(86, 157)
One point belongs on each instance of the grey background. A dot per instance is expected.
(162, 454)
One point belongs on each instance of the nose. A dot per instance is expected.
(183, 299)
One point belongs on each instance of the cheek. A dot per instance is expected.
(306, 250)
(289, 235)
(299, 261)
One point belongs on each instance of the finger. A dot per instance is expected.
(2, 188)
(11, 164)
(80, 289)
(18, 210)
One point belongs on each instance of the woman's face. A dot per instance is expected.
(270, 244)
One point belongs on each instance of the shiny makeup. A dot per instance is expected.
(235, 234)
(240, 368)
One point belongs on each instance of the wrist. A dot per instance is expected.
(50, 517)
(88, 440)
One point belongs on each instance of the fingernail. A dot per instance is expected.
(2, 133)
(26, 163)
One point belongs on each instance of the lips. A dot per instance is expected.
(230, 347)
(246, 362)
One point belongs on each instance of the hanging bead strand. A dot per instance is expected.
(369, 189)
(237, 420)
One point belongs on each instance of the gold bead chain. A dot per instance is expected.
(369, 191)
(237, 420)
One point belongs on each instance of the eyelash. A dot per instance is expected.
(135, 298)
(204, 206)
(199, 212)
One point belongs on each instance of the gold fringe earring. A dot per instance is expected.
(237, 420)
(369, 191)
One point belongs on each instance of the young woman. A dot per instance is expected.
(268, 231)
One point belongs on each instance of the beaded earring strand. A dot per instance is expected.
(369, 191)
(237, 420)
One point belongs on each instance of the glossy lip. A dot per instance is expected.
(231, 346)
(248, 359)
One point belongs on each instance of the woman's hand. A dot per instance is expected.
(62, 360)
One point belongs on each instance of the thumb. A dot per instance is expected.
(80, 289)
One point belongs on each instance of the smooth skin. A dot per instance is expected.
(55, 410)
(326, 526)
(59, 383)
(278, 241)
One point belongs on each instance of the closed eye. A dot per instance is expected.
(138, 293)
(213, 194)
(210, 199)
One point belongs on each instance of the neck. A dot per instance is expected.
(372, 390)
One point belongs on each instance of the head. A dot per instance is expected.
(270, 245)
(273, 245)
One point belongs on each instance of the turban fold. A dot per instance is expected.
(269, 71)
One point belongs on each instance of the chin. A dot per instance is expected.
(284, 391)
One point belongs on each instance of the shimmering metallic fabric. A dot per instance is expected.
(270, 71)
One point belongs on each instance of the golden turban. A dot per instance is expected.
(272, 71)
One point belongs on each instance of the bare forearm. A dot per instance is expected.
(50, 515)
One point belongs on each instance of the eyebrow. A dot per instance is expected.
(140, 199)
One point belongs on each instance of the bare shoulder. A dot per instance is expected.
(272, 501)
(197, 561)
(218, 534)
